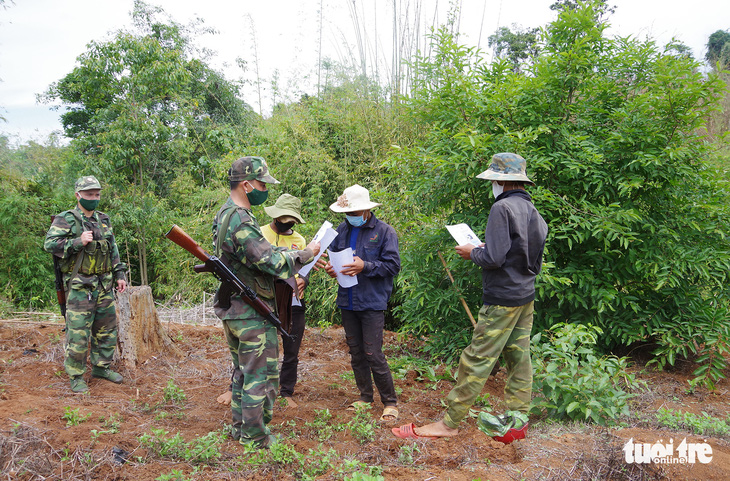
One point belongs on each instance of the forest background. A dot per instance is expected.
(625, 139)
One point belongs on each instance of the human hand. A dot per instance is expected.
(315, 246)
(330, 270)
(87, 236)
(121, 285)
(354, 268)
(300, 286)
(465, 251)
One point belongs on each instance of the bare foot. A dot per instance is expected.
(225, 398)
(437, 429)
(290, 402)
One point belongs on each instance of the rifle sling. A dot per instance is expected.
(80, 257)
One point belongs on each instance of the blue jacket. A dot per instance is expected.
(377, 246)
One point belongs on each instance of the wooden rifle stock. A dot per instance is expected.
(226, 276)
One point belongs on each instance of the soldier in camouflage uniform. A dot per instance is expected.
(84, 241)
(510, 258)
(252, 340)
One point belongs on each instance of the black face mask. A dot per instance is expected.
(283, 226)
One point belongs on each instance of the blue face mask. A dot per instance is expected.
(355, 220)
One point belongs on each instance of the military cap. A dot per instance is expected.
(250, 168)
(506, 166)
(286, 205)
(87, 182)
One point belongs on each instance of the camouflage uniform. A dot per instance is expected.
(90, 314)
(510, 258)
(252, 340)
(500, 330)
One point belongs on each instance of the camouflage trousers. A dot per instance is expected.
(90, 317)
(500, 330)
(254, 347)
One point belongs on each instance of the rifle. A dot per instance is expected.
(60, 288)
(229, 279)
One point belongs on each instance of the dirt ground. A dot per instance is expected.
(37, 443)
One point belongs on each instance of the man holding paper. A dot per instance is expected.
(285, 213)
(510, 258)
(375, 262)
(252, 340)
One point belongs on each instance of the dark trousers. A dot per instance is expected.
(364, 336)
(290, 362)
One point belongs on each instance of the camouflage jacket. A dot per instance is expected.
(101, 264)
(242, 247)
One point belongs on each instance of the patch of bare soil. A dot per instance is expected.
(37, 443)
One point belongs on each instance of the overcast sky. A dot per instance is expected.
(40, 39)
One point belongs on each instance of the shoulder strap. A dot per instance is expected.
(222, 229)
(80, 256)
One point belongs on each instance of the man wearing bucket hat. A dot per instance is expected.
(252, 340)
(376, 262)
(83, 240)
(510, 258)
(279, 233)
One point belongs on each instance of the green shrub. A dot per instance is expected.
(703, 424)
(571, 381)
(201, 450)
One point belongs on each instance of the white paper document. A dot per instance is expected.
(325, 235)
(463, 234)
(339, 259)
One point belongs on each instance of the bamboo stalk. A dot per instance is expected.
(28, 321)
(463, 302)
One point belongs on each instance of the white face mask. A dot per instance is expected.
(497, 189)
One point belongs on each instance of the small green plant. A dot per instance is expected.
(358, 476)
(173, 394)
(703, 424)
(173, 475)
(72, 416)
(317, 463)
(112, 424)
(572, 382)
(347, 376)
(406, 455)
(321, 424)
(94, 436)
(204, 449)
(361, 425)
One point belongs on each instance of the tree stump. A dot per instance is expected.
(140, 333)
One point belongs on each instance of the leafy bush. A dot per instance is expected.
(612, 130)
(201, 450)
(73, 417)
(571, 381)
(703, 424)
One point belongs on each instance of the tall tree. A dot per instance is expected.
(517, 47)
(143, 110)
(718, 49)
(613, 132)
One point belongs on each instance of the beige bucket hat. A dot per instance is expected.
(353, 199)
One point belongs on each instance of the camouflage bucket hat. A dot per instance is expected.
(88, 182)
(250, 168)
(286, 205)
(506, 166)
